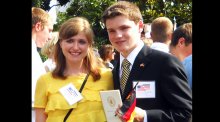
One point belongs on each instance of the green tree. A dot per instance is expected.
(92, 10)
(45, 4)
(150, 9)
(180, 9)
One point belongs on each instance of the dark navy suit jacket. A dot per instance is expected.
(173, 96)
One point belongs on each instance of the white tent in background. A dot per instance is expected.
(55, 9)
(174, 23)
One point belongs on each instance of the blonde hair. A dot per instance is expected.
(47, 49)
(161, 27)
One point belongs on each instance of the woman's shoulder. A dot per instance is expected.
(46, 76)
(105, 70)
(109, 65)
(106, 73)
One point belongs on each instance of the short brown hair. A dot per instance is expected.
(184, 31)
(124, 8)
(105, 50)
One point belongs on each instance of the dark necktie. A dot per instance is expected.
(125, 73)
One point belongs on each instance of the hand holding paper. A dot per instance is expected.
(128, 107)
(110, 101)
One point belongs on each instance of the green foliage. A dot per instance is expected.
(36, 3)
(92, 10)
(150, 9)
(61, 17)
(180, 9)
(100, 41)
(43, 57)
(45, 4)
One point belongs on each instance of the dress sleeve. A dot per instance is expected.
(40, 93)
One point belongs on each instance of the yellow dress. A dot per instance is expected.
(89, 109)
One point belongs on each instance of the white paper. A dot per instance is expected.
(71, 94)
(110, 101)
(145, 89)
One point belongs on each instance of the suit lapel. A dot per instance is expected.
(140, 64)
(115, 73)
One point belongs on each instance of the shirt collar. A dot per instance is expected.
(131, 57)
(34, 46)
(160, 46)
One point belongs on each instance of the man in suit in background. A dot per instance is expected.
(163, 94)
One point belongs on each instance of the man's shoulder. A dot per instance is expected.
(156, 53)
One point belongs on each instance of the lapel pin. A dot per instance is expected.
(142, 65)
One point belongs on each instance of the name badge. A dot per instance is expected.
(145, 89)
(71, 94)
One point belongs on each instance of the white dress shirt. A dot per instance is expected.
(160, 46)
(131, 57)
(50, 64)
(37, 68)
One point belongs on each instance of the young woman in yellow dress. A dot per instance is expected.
(74, 59)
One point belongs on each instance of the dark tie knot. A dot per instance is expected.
(126, 63)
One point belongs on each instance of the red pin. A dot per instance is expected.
(142, 65)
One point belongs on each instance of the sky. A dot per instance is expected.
(53, 11)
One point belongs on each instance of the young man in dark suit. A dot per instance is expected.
(163, 94)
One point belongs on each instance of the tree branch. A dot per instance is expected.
(54, 5)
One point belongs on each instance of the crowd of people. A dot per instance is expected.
(158, 56)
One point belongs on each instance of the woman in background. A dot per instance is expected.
(48, 50)
(107, 54)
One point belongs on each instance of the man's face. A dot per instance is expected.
(44, 34)
(123, 34)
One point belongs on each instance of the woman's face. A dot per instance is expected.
(111, 55)
(75, 48)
